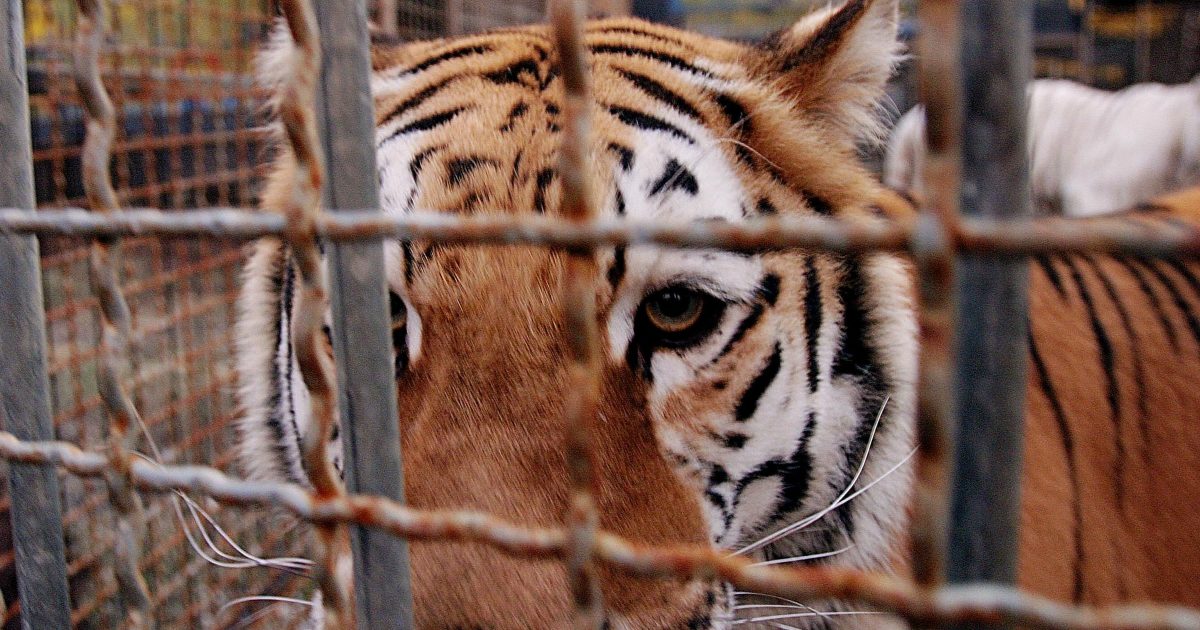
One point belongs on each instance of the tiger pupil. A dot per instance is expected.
(674, 311)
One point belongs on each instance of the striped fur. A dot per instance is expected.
(801, 374)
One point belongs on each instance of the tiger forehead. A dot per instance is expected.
(493, 105)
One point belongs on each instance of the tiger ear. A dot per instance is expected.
(835, 62)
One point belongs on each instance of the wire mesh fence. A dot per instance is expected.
(179, 295)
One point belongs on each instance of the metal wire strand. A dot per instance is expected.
(579, 296)
(1132, 236)
(975, 604)
(115, 316)
(296, 112)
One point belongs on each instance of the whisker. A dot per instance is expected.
(840, 500)
(777, 597)
(738, 622)
(811, 556)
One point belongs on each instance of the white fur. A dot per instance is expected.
(1091, 152)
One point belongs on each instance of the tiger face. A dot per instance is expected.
(760, 403)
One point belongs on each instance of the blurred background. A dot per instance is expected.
(189, 117)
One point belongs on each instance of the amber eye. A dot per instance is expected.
(678, 316)
(674, 310)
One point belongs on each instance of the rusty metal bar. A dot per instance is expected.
(937, 52)
(297, 107)
(103, 263)
(992, 310)
(981, 235)
(362, 341)
(35, 508)
(976, 604)
(579, 297)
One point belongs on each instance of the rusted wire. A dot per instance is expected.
(296, 103)
(115, 316)
(1008, 237)
(933, 252)
(577, 204)
(979, 604)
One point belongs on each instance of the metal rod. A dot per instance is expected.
(297, 105)
(992, 309)
(123, 418)
(362, 341)
(976, 604)
(36, 509)
(979, 235)
(938, 52)
(579, 297)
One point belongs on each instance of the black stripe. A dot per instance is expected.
(1108, 359)
(768, 289)
(735, 113)
(794, 473)
(617, 271)
(458, 169)
(819, 204)
(289, 357)
(281, 287)
(446, 56)
(751, 319)
(620, 203)
(636, 31)
(813, 314)
(856, 358)
(544, 178)
(418, 163)
(406, 251)
(648, 122)
(1139, 368)
(765, 207)
(754, 393)
(516, 112)
(1052, 274)
(1155, 304)
(675, 177)
(425, 124)
(1176, 297)
(416, 99)
(512, 74)
(624, 155)
(661, 57)
(1182, 269)
(661, 93)
(399, 333)
(516, 167)
(734, 441)
(1068, 444)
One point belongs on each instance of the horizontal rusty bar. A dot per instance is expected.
(976, 604)
(1012, 237)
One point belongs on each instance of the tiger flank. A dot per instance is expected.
(760, 404)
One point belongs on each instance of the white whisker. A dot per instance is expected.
(782, 599)
(264, 598)
(839, 501)
(811, 556)
(738, 622)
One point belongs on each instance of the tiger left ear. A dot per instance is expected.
(835, 62)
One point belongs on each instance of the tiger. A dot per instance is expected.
(759, 404)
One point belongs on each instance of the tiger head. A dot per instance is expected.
(760, 403)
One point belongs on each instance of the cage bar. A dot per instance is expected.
(992, 297)
(35, 504)
(361, 333)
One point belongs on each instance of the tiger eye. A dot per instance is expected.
(675, 310)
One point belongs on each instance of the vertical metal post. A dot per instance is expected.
(362, 339)
(24, 387)
(992, 306)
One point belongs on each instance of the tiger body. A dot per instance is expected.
(791, 385)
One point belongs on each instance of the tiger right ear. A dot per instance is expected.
(835, 62)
